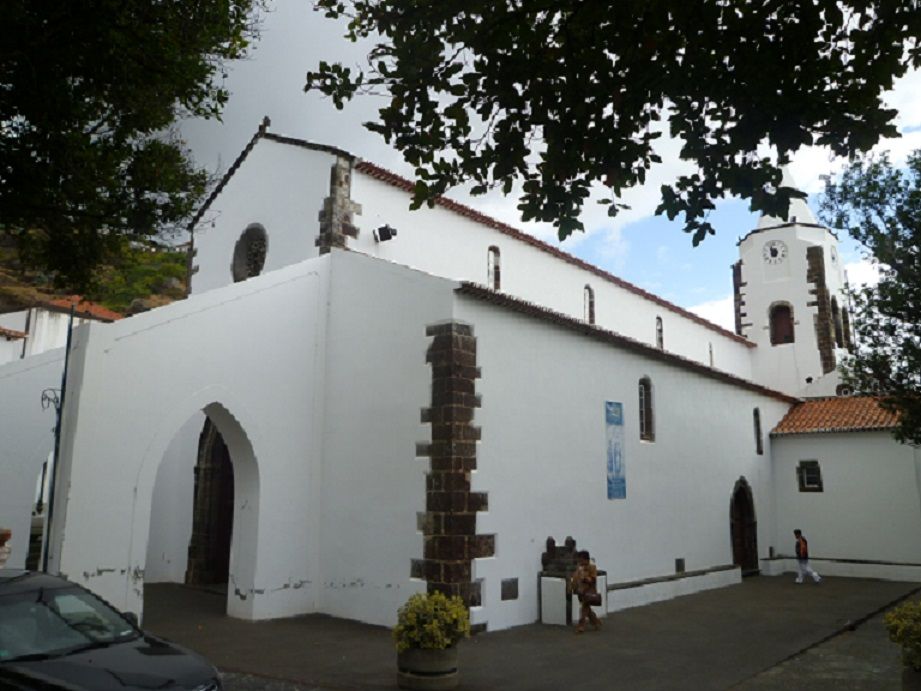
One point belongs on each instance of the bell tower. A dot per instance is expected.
(790, 301)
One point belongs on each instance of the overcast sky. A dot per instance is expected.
(646, 250)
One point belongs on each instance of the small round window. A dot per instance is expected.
(249, 253)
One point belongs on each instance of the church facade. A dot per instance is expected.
(358, 402)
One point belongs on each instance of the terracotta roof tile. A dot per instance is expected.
(12, 334)
(402, 183)
(84, 308)
(839, 414)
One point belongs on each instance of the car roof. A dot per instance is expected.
(13, 581)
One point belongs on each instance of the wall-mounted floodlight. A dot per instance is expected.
(384, 233)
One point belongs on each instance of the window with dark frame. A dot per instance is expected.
(660, 334)
(781, 319)
(647, 426)
(589, 299)
(759, 439)
(493, 271)
(809, 476)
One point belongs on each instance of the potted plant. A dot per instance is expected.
(904, 626)
(429, 626)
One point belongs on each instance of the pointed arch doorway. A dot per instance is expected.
(743, 527)
(212, 515)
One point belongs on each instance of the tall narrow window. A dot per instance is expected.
(710, 347)
(836, 322)
(647, 427)
(846, 327)
(759, 443)
(494, 278)
(589, 300)
(781, 318)
(660, 334)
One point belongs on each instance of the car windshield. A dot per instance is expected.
(53, 622)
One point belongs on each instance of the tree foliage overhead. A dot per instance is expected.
(880, 206)
(88, 92)
(561, 94)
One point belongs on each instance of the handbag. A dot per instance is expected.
(592, 599)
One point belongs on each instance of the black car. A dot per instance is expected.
(56, 635)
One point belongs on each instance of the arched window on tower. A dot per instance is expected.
(589, 299)
(836, 322)
(759, 441)
(660, 334)
(781, 318)
(647, 426)
(493, 272)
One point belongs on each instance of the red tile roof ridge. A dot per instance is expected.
(82, 308)
(395, 180)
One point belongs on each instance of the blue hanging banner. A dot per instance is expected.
(614, 433)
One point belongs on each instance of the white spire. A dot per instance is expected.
(799, 211)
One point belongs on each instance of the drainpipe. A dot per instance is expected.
(28, 330)
(57, 441)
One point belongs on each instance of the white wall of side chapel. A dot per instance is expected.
(870, 504)
(26, 440)
(279, 186)
(542, 461)
(791, 367)
(258, 376)
(444, 243)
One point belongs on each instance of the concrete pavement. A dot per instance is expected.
(766, 633)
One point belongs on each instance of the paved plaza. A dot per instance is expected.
(766, 633)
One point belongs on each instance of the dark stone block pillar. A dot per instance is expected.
(824, 322)
(449, 522)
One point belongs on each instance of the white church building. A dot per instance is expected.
(358, 402)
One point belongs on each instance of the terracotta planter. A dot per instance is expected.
(427, 670)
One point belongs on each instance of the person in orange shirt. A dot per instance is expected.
(802, 558)
(584, 580)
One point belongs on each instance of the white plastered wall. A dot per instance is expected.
(26, 440)
(445, 243)
(250, 355)
(373, 485)
(542, 458)
(279, 186)
(870, 504)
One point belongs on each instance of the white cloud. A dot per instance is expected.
(864, 272)
(721, 312)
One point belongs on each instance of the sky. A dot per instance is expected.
(649, 251)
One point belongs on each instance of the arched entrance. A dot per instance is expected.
(212, 511)
(744, 528)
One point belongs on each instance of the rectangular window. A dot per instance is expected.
(809, 476)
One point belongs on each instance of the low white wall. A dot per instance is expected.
(27, 434)
(647, 593)
(250, 355)
(870, 505)
(830, 567)
(542, 459)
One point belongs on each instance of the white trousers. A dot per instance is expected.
(803, 569)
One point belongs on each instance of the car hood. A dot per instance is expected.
(144, 663)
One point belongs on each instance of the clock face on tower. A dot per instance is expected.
(774, 252)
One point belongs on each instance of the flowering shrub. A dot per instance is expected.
(904, 626)
(431, 621)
